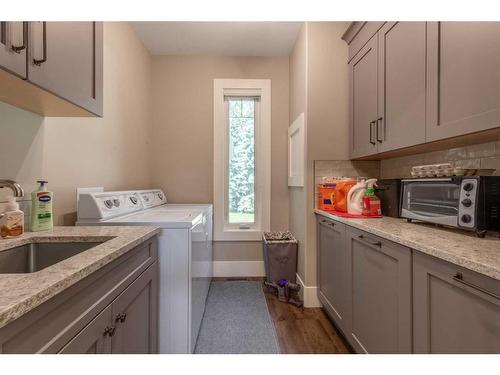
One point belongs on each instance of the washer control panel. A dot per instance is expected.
(467, 204)
(106, 205)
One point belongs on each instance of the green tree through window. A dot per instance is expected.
(241, 160)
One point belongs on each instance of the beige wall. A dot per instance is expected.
(319, 82)
(327, 114)
(183, 132)
(298, 104)
(112, 151)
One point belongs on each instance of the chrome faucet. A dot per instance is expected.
(14, 186)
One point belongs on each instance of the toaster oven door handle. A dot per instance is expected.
(459, 277)
(426, 180)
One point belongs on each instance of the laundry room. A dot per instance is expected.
(182, 186)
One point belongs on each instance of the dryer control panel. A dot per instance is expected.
(152, 198)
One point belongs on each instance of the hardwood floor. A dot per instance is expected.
(302, 330)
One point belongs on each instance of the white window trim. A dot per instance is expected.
(262, 88)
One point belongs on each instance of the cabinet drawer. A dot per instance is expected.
(50, 326)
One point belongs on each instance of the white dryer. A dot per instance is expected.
(184, 250)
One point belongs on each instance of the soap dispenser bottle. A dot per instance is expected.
(12, 220)
(41, 208)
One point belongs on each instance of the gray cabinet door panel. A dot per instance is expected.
(450, 317)
(363, 70)
(332, 266)
(463, 78)
(135, 315)
(73, 65)
(12, 35)
(401, 85)
(92, 339)
(379, 288)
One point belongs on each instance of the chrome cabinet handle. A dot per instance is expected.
(18, 49)
(380, 140)
(377, 243)
(371, 132)
(459, 277)
(110, 331)
(121, 317)
(39, 62)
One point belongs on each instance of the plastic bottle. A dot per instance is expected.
(41, 211)
(355, 198)
(371, 203)
(12, 220)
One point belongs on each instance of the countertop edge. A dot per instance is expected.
(481, 268)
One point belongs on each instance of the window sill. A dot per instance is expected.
(238, 235)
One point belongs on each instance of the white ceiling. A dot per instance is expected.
(218, 38)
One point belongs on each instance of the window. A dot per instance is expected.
(242, 165)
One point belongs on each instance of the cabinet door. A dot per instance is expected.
(379, 289)
(65, 58)
(363, 70)
(135, 315)
(463, 78)
(401, 85)
(454, 315)
(94, 338)
(13, 47)
(332, 265)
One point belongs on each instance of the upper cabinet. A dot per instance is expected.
(13, 47)
(463, 78)
(363, 70)
(388, 90)
(61, 63)
(401, 88)
(435, 80)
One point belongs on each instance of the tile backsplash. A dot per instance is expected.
(345, 168)
(481, 156)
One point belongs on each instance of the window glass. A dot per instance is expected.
(241, 184)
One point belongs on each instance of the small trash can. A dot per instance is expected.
(280, 256)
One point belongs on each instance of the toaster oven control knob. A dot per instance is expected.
(466, 219)
(468, 186)
(466, 202)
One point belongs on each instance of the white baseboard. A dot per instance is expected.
(309, 294)
(239, 269)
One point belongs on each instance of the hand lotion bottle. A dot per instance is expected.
(41, 209)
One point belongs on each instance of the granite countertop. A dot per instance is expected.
(22, 292)
(464, 249)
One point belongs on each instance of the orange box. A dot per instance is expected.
(326, 197)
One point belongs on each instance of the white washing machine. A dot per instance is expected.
(184, 250)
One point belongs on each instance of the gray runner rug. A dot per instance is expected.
(236, 320)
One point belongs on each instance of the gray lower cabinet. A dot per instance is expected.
(379, 291)
(455, 310)
(332, 270)
(91, 339)
(65, 58)
(135, 316)
(463, 75)
(13, 47)
(113, 310)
